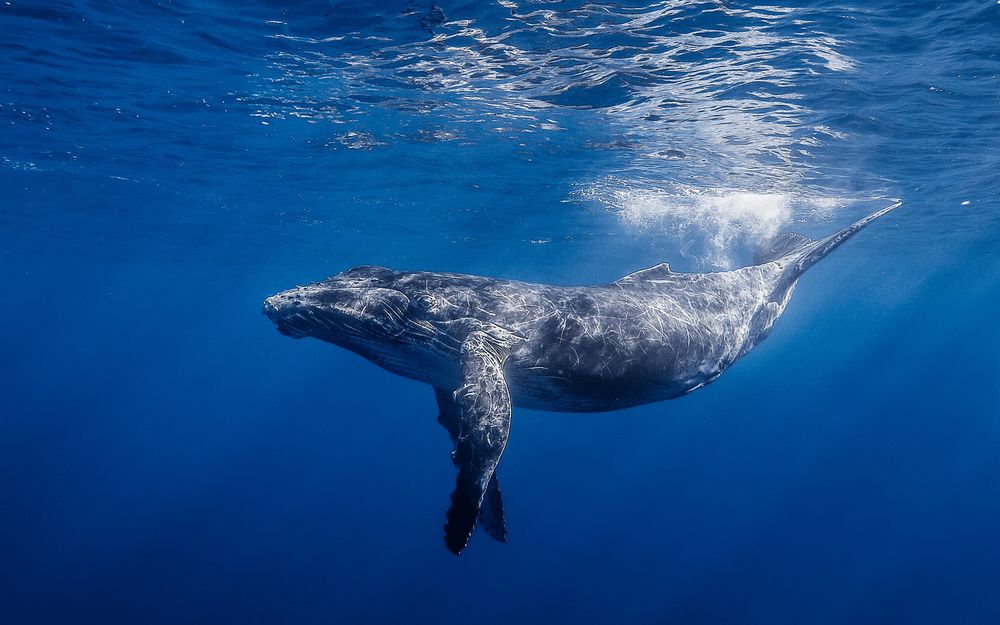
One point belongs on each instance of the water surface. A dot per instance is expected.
(166, 456)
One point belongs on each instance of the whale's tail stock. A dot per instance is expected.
(801, 253)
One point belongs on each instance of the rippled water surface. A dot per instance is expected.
(165, 456)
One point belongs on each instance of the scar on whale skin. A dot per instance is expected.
(487, 344)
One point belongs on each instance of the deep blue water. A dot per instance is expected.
(167, 457)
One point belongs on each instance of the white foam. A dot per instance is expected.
(712, 226)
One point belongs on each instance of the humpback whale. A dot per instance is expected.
(487, 344)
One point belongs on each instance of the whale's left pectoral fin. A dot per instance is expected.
(491, 517)
(483, 426)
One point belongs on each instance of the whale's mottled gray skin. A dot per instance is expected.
(485, 344)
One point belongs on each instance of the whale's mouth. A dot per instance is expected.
(366, 318)
(290, 330)
(331, 314)
(291, 323)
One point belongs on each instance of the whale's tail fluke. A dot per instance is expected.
(812, 253)
(801, 253)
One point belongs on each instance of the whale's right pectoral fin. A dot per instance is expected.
(491, 516)
(483, 426)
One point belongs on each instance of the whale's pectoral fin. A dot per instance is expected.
(491, 516)
(491, 512)
(483, 426)
(449, 413)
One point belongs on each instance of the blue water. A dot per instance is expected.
(167, 457)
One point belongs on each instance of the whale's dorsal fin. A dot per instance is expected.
(656, 272)
(483, 426)
(778, 246)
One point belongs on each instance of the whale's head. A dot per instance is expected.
(358, 309)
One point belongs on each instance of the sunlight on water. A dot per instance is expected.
(700, 98)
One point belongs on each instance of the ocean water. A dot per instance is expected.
(167, 457)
